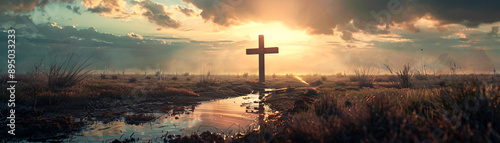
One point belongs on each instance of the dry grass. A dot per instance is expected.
(132, 79)
(68, 72)
(364, 77)
(403, 75)
(467, 111)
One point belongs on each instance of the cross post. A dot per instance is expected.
(261, 51)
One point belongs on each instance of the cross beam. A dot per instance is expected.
(261, 51)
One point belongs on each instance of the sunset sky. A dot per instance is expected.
(314, 36)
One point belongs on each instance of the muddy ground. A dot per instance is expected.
(42, 111)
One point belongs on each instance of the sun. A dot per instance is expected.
(274, 32)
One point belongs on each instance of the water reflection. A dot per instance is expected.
(231, 115)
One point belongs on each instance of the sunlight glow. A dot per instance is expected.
(300, 79)
(273, 32)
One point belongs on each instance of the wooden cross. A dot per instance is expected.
(261, 51)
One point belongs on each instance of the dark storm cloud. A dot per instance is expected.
(188, 12)
(321, 16)
(470, 13)
(20, 6)
(99, 9)
(16, 12)
(156, 13)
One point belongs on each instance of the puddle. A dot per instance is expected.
(230, 115)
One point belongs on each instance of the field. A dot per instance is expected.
(320, 108)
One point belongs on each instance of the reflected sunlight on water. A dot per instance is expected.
(300, 79)
(226, 115)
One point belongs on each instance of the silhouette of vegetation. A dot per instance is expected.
(68, 72)
(363, 75)
(132, 79)
(403, 75)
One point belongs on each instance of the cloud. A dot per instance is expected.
(346, 36)
(468, 13)
(22, 6)
(372, 16)
(75, 9)
(19, 6)
(110, 49)
(186, 11)
(156, 14)
(494, 31)
(107, 8)
(132, 35)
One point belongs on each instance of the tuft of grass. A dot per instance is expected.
(208, 83)
(161, 92)
(68, 72)
(363, 76)
(339, 75)
(403, 75)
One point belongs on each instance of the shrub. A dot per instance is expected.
(67, 73)
(103, 76)
(207, 83)
(132, 79)
(317, 83)
(148, 77)
(114, 77)
(174, 78)
(186, 74)
(403, 75)
(323, 78)
(245, 75)
(339, 75)
(363, 76)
